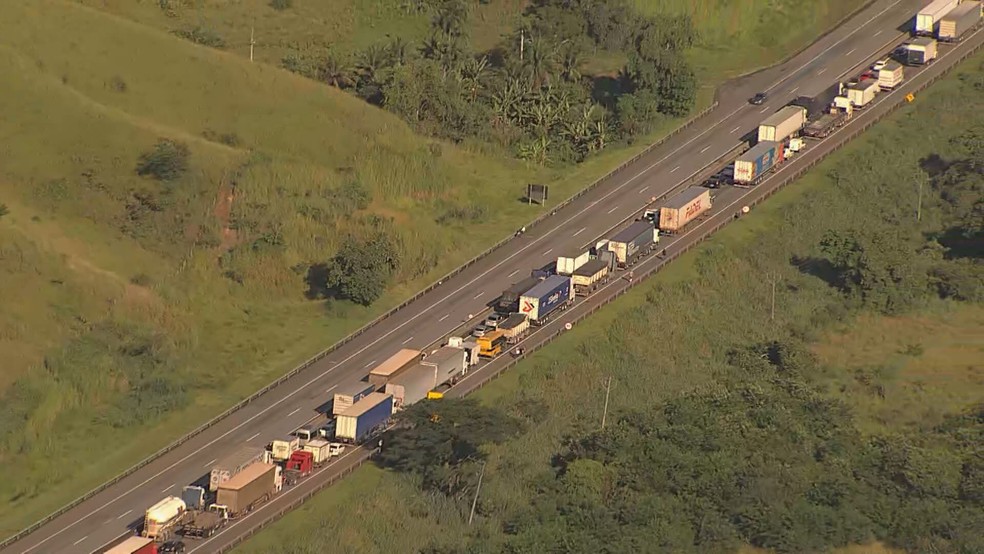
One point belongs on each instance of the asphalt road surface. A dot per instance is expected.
(118, 510)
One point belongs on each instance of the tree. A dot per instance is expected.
(361, 269)
(4, 210)
(335, 71)
(168, 161)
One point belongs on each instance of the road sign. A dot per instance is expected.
(910, 97)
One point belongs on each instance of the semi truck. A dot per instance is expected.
(412, 385)
(891, 75)
(634, 242)
(921, 51)
(449, 364)
(961, 19)
(567, 265)
(249, 488)
(683, 208)
(350, 395)
(819, 104)
(232, 464)
(162, 519)
(761, 159)
(323, 450)
(515, 327)
(783, 124)
(554, 294)
(929, 17)
(394, 365)
(861, 93)
(364, 418)
(300, 465)
(828, 122)
(590, 276)
(282, 448)
(491, 344)
(509, 301)
(134, 545)
(201, 520)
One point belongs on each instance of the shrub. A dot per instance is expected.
(168, 161)
(281, 5)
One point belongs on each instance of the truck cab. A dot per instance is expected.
(335, 449)
(305, 434)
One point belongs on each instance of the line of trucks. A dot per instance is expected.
(250, 476)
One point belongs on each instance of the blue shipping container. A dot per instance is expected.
(547, 296)
(373, 417)
(761, 158)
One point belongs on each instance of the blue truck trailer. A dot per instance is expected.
(364, 418)
(349, 395)
(762, 158)
(554, 293)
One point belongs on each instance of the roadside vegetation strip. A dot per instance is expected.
(752, 198)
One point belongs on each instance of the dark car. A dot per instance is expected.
(172, 547)
(758, 98)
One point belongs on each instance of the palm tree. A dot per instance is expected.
(370, 62)
(398, 50)
(450, 18)
(540, 61)
(335, 71)
(472, 73)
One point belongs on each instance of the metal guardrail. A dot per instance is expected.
(838, 140)
(355, 334)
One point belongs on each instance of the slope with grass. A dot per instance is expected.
(138, 308)
(894, 385)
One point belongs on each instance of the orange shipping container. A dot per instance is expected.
(684, 208)
(394, 365)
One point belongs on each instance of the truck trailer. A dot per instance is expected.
(960, 20)
(554, 294)
(412, 385)
(783, 124)
(394, 365)
(819, 104)
(862, 93)
(162, 519)
(928, 18)
(633, 242)
(509, 301)
(827, 123)
(491, 344)
(921, 51)
(232, 464)
(350, 395)
(752, 166)
(249, 488)
(134, 545)
(449, 364)
(205, 523)
(567, 265)
(891, 75)
(683, 208)
(282, 448)
(364, 417)
(590, 276)
(515, 327)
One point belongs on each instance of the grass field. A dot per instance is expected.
(112, 280)
(672, 336)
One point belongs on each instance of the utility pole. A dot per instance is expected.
(608, 392)
(478, 488)
(522, 43)
(775, 280)
(251, 43)
(919, 204)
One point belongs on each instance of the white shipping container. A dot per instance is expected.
(929, 17)
(958, 21)
(567, 265)
(891, 75)
(319, 449)
(782, 124)
(862, 93)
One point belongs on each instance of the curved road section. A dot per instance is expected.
(117, 510)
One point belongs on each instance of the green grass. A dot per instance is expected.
(78, 111)
(671, 335)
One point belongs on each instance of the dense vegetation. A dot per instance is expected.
(527, 91)
(168, 210)
(732, 424)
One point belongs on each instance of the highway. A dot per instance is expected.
(117, 510)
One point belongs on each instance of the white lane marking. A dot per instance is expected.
(123, 515)
(252, 437)
(316, 378)
(851, 52)
(794, 89)
(878, 33)
(331, 388)
(77, 542)
(765, 109)
(408, 340)
(477, 296)
(704, 149)
(510, 275)
(370, 363)
(294, 412)
(210, 463)
(445, 317)
(735, 129)
(613, 209)
(643, 189)
(575, 234)
(822, 69)
(549, 250)
(674, 169)
(165, 489)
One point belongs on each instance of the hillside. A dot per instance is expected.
(135, 307)
(850, 421)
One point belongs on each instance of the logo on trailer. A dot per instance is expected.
(527, 307)
(694, 207)
(553, 298)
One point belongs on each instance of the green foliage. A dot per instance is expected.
(361, 269)
(168, 161)
(4, 210)
(281, 5)
(441, 442)
(202, 35)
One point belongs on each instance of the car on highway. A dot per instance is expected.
(880, 64)
(493, 321)
(758, 99)
(480, 331)
(171, 547)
